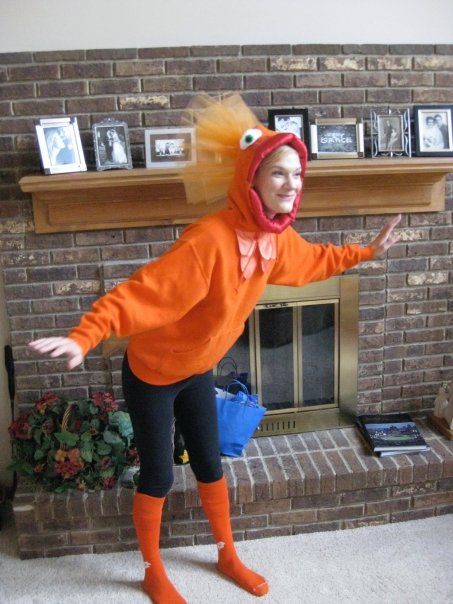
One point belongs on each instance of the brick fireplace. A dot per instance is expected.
(50, 279)
(405, 333)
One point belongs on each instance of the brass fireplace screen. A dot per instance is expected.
(299, 352)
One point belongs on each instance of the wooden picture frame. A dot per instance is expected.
(337, 138)
(169, 147)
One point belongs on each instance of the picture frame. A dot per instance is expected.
(335, 138)
(60, 146)
(111, 145)
(391, 133)
(433, 125)
(169, 147)
(290, 120)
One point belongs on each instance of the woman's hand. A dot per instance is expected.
(386, 237)
(58, 347)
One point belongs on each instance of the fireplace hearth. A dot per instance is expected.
(283, 485)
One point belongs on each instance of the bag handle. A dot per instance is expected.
(249, 400)
(243, 386)
(224, 363)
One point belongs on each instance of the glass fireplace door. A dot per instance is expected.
(296, 355)
(318, 361)
(275, 357)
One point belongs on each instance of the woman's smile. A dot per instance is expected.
(278, 182)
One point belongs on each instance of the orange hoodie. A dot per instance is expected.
(186, 309)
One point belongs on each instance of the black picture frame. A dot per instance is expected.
(290, 120)
(433, 125)
(111, 145)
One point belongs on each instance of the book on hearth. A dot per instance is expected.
(391, 434)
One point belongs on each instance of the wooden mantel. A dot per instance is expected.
(141, 197)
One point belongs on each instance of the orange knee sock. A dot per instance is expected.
(214, 497)
(147, 514)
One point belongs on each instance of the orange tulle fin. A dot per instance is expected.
(219, 124)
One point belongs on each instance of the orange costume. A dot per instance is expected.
(185, 310)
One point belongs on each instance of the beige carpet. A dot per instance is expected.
(405, 563)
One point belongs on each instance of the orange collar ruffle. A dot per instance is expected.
(254, 248)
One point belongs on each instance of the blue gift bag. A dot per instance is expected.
(238, 415)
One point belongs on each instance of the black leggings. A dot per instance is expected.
(153, 410)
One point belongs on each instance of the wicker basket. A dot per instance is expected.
(65, 421)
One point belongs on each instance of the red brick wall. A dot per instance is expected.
(406, 333)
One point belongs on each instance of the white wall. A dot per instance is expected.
(28, 25)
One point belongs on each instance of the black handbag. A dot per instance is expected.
(222, 379)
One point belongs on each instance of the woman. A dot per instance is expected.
(186, 309)
(392, 141)
(60, 151)
(432, 136)
(118, 151)
(114, 148)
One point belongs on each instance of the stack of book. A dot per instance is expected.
(391, 434)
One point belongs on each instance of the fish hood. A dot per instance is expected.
(243, 200)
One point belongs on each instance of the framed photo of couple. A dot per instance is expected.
(111, 145)
(60, 146)
(433, 130)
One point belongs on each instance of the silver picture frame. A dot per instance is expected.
(60, 146)
(337, 138)
(111, 145)
(391, 133)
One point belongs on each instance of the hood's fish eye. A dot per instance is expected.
(249, 137)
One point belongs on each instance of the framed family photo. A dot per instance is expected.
(111, 145)
(169, 147)
(60, 145)
(390, 134)
(335, 138)
(433, 130)
(290, 120)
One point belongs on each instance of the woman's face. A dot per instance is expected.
(56, 141)
(278, 181)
